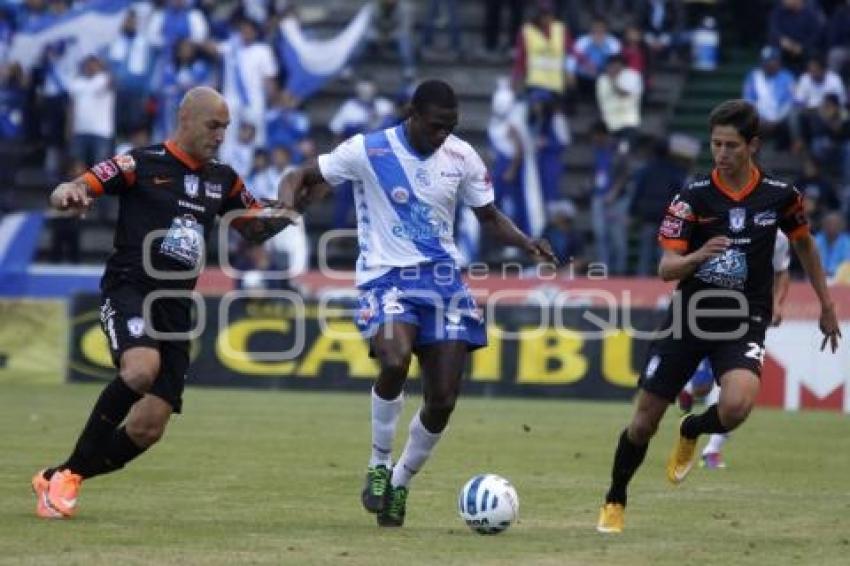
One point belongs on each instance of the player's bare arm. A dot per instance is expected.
(804, 246)
(503, 228)
(675, 266)
(781, 283)
(75, 196)
(264, 223)
(300, 187)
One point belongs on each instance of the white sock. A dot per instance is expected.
(420, 443)
(715, 443)
(384, 420)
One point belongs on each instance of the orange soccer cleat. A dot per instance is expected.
(63, 491)
(40, 486)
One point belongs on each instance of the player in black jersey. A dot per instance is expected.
(718, 237)
(170, 195)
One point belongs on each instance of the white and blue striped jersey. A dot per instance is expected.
(406, 202)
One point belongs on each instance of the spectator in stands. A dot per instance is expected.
(93, 118)
(443, 14)
(592, 51)
(543, 55)
(551, 133)
(507, 154)
(264, 182)
(6, 30)
(286, 124)
(609, 203)
(177, 21)
(567, 242)
(654, 187)
(240, 154)
(635, 53)
(833, 243)
(818, 193)
(55, 70)
(770, 88)
(618, 94)
(827, 138)
(364, 112)
(817, 81)
(184, 70)
(250, 71)
(393, 22)
(131, 61)
(796, 29)
(662, 22)
(838, 40)
(13, 102)
(493, 46)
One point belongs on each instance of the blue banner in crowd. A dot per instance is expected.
(311, 63)
(86, 29)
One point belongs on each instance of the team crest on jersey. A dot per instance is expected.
(212, 190)
(765, 218)
(400, 195)
(737, 219)
(453, 320)
(391, 303)
(136, 326)
(191, 183)
(422, 177)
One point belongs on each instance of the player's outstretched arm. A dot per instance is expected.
(492, 219)
(301, 187)
(75, 196)
(804, 246)
(675, 266)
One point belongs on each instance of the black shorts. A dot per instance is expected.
(671, 362)
(121, 318)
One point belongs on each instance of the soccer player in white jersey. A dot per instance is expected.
(702, 383)
(408, 182)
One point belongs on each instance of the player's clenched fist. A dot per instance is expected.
(73, 196)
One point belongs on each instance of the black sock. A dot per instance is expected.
(118, 451)
(627, 460)
(109, 411)
(706, 423)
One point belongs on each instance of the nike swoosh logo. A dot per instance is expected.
(161, 180)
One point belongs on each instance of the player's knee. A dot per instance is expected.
(394, 364)
(139, 376)
(145, 432)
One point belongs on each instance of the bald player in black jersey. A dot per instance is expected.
(169, 195)
(718, 238)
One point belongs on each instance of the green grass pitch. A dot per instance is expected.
(273, 477)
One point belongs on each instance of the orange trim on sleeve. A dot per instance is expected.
(93, 182)
(674, 245)
(737, 196)
(799, 232)
(184, 157)
(237, 186)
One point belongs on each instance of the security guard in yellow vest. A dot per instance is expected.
(542, 53)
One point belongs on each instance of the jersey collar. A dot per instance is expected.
(182, 156)
(737, 196)
(402, 137)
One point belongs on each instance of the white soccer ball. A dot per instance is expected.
(488, 504)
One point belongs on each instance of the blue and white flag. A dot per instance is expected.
(86, 29)
(531, 188)
(310, 63)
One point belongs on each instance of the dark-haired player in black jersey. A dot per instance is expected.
(170, 195)
(718, 237)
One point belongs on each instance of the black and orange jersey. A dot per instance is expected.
(706, 208)
(168, 201)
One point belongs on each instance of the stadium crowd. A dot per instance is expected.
(561, 56)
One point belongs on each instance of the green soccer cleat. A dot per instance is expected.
(393, 514)
(375, 491)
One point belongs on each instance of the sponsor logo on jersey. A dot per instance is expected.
(192, 205)
(737, 219)
(125, 162)
(390, 302)
(451, 174)
(453, 320)
(698, 184)
(671, 227)
(191, 183)
(212, 190)
(765, 218)
(136, 326)
(156, 151)
(681, 209)
(422, 177)
(105, 170)
(400, 195)
(652, 366)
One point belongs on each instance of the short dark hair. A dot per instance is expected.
(433, 92)
(737, 113)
